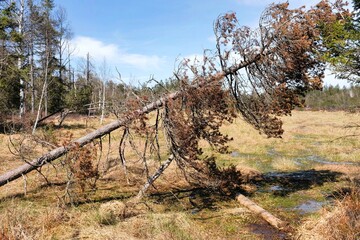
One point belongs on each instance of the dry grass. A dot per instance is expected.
(40, 214)
(30, 221)
(341, 221)
(319, 134)
(157, 226)
(284, 164)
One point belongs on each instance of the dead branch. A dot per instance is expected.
(50, 115)
(152, 179)
(63, 115)
(122, 153)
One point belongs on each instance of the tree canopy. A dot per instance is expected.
(341, 36)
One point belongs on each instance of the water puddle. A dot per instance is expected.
(276, 188)
(236, 154)
(317, 143)
(266, 231)
(285, 183)
(309, 206)
(318, 159)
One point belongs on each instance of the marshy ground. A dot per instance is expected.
(299, 178)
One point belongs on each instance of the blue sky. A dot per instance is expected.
(145, 37)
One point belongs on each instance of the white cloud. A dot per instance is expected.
(114, 55)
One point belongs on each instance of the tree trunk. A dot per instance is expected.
(43, 95)
(58, 152)
(32, 80)
(103, 102)
(61, 110)
(87, 69)
(20, 62)
(268, 217)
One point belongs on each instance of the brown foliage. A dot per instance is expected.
(81, 165)
(198, 115)
(283, 61)
(262, 73)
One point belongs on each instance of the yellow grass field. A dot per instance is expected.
(316, 160)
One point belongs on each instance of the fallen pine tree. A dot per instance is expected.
(261, 73)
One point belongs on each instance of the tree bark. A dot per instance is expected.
(20, 62)
(43, 93)
(268, 217)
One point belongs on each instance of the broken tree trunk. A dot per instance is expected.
(63, 115)
(50, 115)
(268, 217)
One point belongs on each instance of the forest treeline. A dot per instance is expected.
(37, 70)
(38, 75)
(35, 54)
(334, 98)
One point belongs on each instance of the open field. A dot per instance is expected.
(304, 174)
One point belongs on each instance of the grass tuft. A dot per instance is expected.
(342, 221)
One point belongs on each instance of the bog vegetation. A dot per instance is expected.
(179, 154)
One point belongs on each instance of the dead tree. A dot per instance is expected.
(58, 152)
(261, 73)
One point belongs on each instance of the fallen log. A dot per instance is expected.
(268, 217)
(60, 151)
(48, 116)
(252, 206)
(268, 88)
